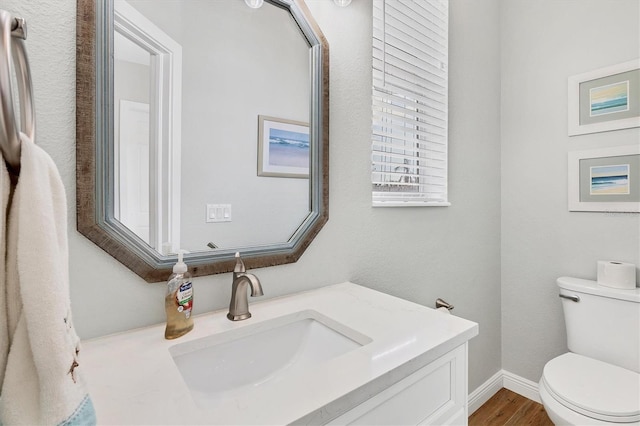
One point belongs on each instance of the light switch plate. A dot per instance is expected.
(218, 213)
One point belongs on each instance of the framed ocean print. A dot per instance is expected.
(605, 99)
(605, 180)
(283, 148)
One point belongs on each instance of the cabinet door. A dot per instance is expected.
(435, 394)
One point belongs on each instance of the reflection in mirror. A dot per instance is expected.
(131, 140)
(147, 132)
(230, 76)
(217, 136)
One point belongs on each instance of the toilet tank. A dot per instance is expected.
(604, 324)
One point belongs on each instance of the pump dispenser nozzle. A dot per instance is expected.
(180, 267)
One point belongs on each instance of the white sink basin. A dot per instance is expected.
(219, 366)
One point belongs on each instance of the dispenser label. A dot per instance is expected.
(184, 297)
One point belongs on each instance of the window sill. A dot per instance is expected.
(410, 204)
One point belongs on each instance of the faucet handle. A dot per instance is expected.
(239, 264)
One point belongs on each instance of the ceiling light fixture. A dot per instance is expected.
(255, 4)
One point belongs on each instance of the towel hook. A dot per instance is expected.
(12, 33)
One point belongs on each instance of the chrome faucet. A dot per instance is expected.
(239, 305)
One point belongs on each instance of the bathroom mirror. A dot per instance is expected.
(201, 125)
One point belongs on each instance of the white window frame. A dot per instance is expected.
(410, 103)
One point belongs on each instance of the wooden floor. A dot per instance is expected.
(509, 408)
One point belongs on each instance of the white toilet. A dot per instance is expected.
(598, 382)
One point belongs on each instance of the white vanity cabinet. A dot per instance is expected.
(386, 361)
(436, 394)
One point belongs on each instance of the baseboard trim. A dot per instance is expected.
(502, 379)
(522, 386)
(485, 391)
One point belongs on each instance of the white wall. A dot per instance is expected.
(543, 43)
(415, 253)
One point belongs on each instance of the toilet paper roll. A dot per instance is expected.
(617, 274)
(443, 310)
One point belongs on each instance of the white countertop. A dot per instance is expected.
(133, 379)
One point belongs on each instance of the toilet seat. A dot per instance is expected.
(593, 388)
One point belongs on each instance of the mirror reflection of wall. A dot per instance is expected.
(131, 142)
(237, 63)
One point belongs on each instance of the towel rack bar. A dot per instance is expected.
(13, 32)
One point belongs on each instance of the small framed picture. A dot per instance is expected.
(605, 99)
(605, 180)
(283, 148)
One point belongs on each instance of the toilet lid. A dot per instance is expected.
(594, 388)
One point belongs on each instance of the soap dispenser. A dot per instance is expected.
(178, 301)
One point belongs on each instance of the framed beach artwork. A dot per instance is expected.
(605, 180)
(283, 148)
(605, 99)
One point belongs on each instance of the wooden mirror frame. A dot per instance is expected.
(93, 99)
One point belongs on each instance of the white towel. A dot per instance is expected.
(42, 383)
(5, 189)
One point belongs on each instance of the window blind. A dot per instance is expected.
(410, 102)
